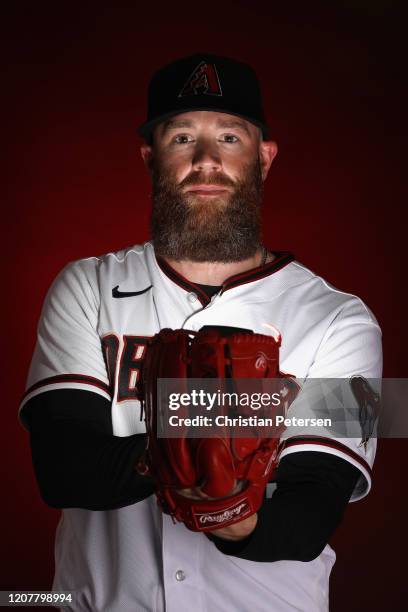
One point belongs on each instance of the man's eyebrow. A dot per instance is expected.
(176, 123)
(232, 123)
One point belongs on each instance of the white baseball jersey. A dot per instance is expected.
(92, 336)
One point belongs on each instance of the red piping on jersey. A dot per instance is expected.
(282, 258)
(182, 282)
(75, 378)
(320, 441)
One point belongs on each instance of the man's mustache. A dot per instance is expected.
(195, 178)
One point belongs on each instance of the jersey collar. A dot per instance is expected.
(282, 258)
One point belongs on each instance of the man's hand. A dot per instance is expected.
(238, 531)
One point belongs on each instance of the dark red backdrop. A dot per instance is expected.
(76, 79)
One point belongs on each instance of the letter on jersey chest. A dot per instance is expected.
(123, 362)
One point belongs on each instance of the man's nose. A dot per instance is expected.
(206, 157)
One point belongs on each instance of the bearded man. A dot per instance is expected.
(208, 151)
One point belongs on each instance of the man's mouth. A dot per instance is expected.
(207, 190)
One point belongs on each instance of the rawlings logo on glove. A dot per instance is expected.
(239, 511)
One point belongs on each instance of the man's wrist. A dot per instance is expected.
(237, 531)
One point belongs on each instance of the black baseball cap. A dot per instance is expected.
(204, 82)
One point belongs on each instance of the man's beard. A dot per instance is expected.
(224, 228)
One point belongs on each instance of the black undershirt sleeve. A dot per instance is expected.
(78, 462)
(313, 491)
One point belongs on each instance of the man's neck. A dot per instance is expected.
(216, 273)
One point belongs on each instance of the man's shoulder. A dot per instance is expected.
(313, 289)
(88, 274)
(135, 255)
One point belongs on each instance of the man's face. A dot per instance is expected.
(207, 174)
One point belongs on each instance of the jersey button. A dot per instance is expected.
(192, 297)
(180, 575)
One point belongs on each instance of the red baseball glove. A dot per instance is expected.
(211, 482)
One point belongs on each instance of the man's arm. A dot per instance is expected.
(77, 460)
(313, 491)
(67, 406)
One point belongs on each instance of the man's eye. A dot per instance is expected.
(183, 138)
(230, 138)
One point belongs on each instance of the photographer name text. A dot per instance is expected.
(251, 421)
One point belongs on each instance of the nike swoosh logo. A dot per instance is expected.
(124, 294)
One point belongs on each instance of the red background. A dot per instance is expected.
(74, 81)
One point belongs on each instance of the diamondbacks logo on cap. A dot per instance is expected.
(203, 80)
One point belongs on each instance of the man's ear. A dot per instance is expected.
(147, 155)
(268, 150)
